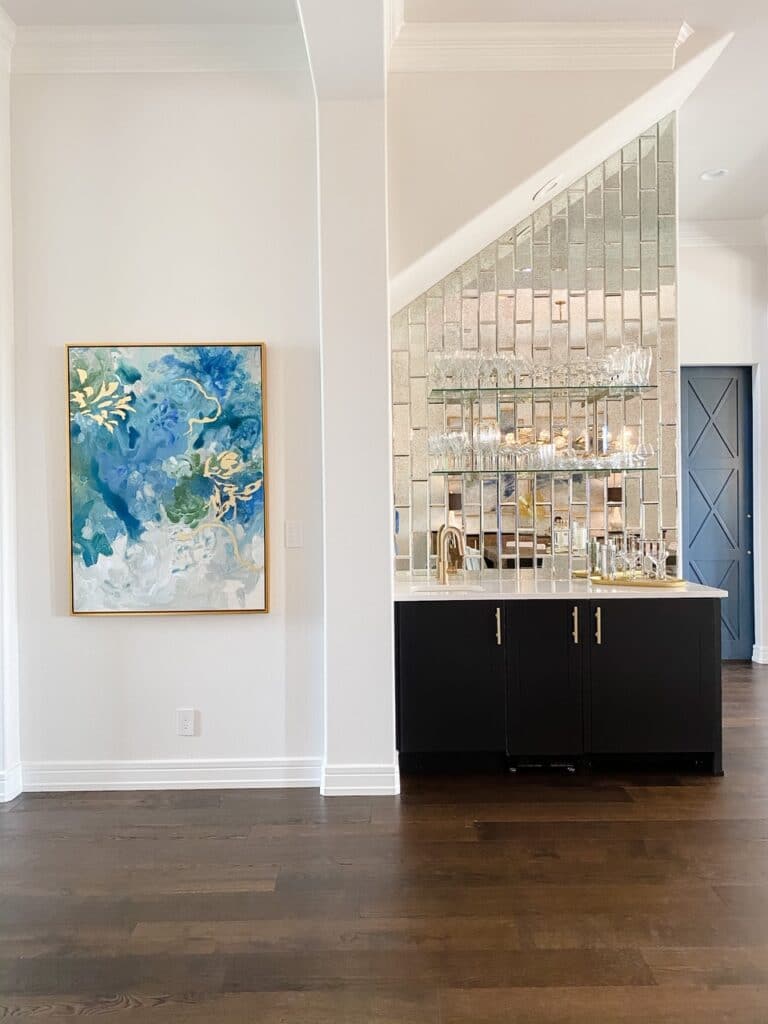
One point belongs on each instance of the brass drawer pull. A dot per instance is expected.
(498, 627)
(575, 616)
(599, 626)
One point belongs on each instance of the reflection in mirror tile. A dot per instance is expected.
(590, 273)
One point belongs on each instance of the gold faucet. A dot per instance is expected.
(448, 536)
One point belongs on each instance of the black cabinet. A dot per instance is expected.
(451, 677)
(545, 658)
(545, 679)
(654, 676)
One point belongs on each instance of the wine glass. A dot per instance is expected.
(650, 562)
(644, 453)
(487, 442)
(506, 367)
(546, 455)
(645, 359)
(436, 450)
(438, 376)
(457, 442)
(524, 373)
(487, 373)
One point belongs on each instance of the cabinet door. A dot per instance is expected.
(450, 677)
(544, 706)
(654, 675)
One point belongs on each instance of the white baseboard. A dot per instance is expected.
(203, 773)
(10, 783)
(219, 773)
(760, 655)
(360, 780)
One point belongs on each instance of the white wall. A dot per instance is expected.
(723, 304)
(160, 207)
(723, 316)
(359, 636)
(468, 150)
(459, 141)
(360, 755)
(10, 754)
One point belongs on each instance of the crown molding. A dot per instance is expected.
(536, 46)
(7, 40)
(395, 19)
(147, 48)
(697, 234)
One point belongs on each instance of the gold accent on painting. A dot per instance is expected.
(223, 466)
(208, 398)
(250, 566)
(101, 406)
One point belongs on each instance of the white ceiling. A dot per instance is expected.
(723, 124)
(150, 12)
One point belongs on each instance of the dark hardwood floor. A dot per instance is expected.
(466, 901)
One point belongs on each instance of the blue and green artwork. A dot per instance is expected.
(167, 484)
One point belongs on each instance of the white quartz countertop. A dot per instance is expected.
(408, 588)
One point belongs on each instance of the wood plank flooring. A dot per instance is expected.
(483, 900)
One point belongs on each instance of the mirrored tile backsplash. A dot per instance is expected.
(564, 296)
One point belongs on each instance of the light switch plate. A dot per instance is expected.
(294, 533)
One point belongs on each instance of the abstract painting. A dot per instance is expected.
(167, 478)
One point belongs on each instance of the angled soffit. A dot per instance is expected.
(658, 92)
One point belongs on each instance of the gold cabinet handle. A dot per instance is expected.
(498, 627)
(599, 626)
(575, 616)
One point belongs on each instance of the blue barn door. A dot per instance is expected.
(717, 494)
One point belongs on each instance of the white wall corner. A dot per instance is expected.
(10, 755)
(10, 783)
(537, 46)
(760, 655)
(202, 773)
(360, 780)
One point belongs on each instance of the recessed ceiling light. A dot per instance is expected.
(546, 188)
(714, 174)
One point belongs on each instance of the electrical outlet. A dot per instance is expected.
(294, 533)
(185, 721)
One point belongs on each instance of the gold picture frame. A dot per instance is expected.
(233, 478)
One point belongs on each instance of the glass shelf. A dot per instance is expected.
(592, 393)
(586, 471)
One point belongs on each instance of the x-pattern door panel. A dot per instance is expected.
(717, 494)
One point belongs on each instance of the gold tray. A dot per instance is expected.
(622, 580)
(619, 582)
